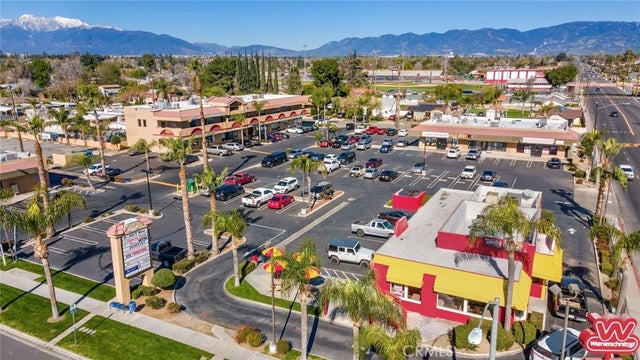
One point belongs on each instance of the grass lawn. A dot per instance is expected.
(29, 313)
(66, 281)
(293, 354)
(114, 340)
(246, 291)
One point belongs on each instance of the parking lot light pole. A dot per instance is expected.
(147, 172)
(575, 290)
(475, 335)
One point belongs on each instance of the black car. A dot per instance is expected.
(111, 172)
(392, 132)
(316, 156)
(225, 192)
(554, 163)
(190, 159)
(393, 216)
(350, 126)
(488, 175)
(248, 143)
(388, 175)
(614, 114)
(347, 157)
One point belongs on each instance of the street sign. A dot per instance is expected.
(72, 308)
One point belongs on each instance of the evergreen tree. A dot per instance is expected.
(294, 84)
(276, 88)
(269, 86)
(264, 85)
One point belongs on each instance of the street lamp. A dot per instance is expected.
(555, 290)
(147, 172)
(475, 336)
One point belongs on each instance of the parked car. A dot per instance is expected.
(190, 159)
(501, 184)
(346, 145)
(356, 171)
(577, 302)
(283, 135)
(134, 152)
(373, 163)
(257, 197)
(473, 154)
(331, 157)
(111, 172)
(628, 171)
(219, 150)
(226, 192)
(403, 132)
(393, 216)
(325, 143)
(330, 165)
(388, 175)
(321, 190)
(469, 172)
(314, 156)
(278, 201)
(375, 227)
(248, 143)
(488, 175)
(294, 153)
(286, 185)
(386, 148)
(402, 143)
(453, 153)
(371, 173)
(294, 130)
(417, 168)
(554, 163)
(392, 117)
(350, 126)
(275, 158)
(614, 114)
(164, 252)
(371, 130)
(392, 132)
(354, 139)
(363, 145)
(549, 346)
(347, 157)
(95, 169)
(349, 251)
(240, 178)
(234, 146)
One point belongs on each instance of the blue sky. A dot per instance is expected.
(294, 24)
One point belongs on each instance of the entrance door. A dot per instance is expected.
(536, 150)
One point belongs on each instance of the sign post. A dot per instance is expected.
(72, 310)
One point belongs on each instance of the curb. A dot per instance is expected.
(39, 343)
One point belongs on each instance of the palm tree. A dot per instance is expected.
(607, 171)
(164, 88)
(35, 126)
(19, 128)
(196, 66)
(35, 221)
(623, 249)
(81, 125)
(240, 119)
(145, 146)
(296, 277)
(504, 219)
(85, 161)
(93, 99)
(178, 150)
(307, 166)
(234, 223)
(361, 301)
(389, 346)
(61, 117)
(211, 180)
(522, 95)
(259, 106)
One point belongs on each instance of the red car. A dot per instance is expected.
(240, 178)
(392, 117)
(374, 163)
(278, 201)
(353, 139)
(371, 130)
(381, 131)
(325, 143)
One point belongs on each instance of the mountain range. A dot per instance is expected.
(31, 34)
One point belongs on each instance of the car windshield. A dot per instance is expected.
(282, 183)
(387, 225)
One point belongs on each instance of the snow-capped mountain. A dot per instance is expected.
(34, 23)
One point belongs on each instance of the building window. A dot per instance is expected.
(462, 305)
(139, 123)
(405, 292)
(144, 122)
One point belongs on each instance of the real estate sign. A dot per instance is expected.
(136, 255)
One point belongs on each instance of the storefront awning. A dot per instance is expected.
(405, 275)
(548, 267)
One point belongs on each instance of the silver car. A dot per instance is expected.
(371, 173)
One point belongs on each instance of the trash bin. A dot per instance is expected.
(191, 185)
(132, 306)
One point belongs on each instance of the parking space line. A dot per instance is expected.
(513, 162)
(290, 206)
(496, 161)
(56, 250)
(80, 240)
(402, 174)
(98, 231)
(438, 179)
(529, 164)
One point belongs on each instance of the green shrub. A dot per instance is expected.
(283, 346)
(163, 278)
(606, 267)
(535, 318)
(255, 338)
(505, 339)
(242, 333)
(580, 174)
(524, 332)
(115, 140)
(142, 290)
(156, 213)
(548, 215)
(246, 268)
(142, 211)
(174, 308)
(66, 182)
(184, 265)
(88, 219)
(131, 208)
(202, 256)
(460, 334)
(155, 302)
(613, 284)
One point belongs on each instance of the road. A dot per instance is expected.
(14, 348)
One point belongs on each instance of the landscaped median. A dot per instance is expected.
(97, 338)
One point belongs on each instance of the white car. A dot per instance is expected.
(371, 173)
(359, 129)
(403, 132)
(453, 153)
(294, 130)
(235, 146)
(363, 145)
(96, 169)
(286, 185)
(330, 165)
(331, 157)
(469, 172)
(628, 171)
(549, 346)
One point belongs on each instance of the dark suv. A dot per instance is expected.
(347, 157)
(321, 190)
(274, 158)
(227, 191)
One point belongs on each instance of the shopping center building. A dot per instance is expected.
(226, 118)
(430, 267)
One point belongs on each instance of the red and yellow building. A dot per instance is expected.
(432, 268)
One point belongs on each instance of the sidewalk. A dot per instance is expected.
(220, 342)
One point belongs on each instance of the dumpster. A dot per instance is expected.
(191, 186)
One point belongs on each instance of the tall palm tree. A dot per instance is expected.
(210, 180)
(240, 119)
(164, 88)
(390, 345)
(36, 220)
(259, 106)
(522, 96)
(145, 146)
(93, 99)
(235, 224)
(81, 125)
(177, 151)
(296, 278)
(505, 220)
(85, 162)
(623, 249)
(607, 171)
(18, 126)
(362, 302)
(35, 126)
(307, 166)
(61, 117)
(195, 65)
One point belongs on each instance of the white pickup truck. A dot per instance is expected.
(375, 227)
(258, 197)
